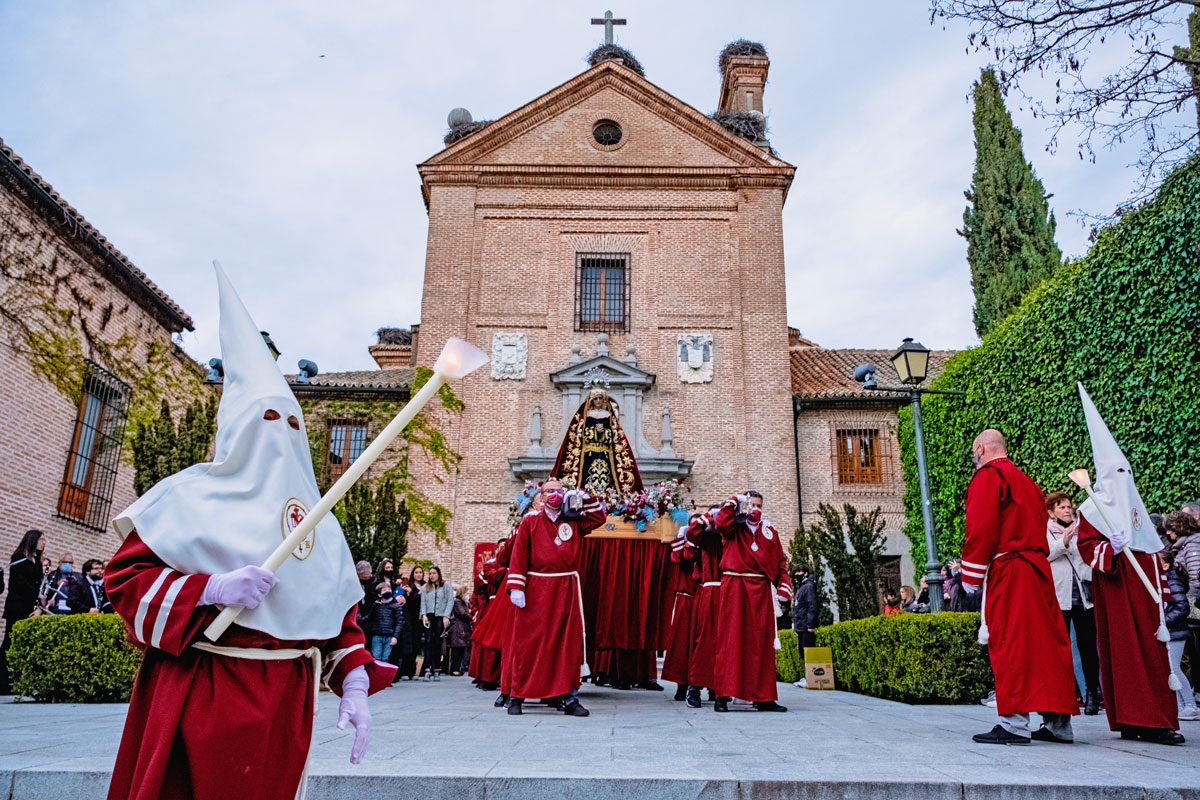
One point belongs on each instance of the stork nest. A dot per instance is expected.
(394, 336)
(751, 127)
(741, 47)
(606, 52)
(463, 130)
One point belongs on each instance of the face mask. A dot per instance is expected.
(385, 598)
(66, 567)
(755, 516)
(554, 499)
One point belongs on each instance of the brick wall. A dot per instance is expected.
(815, 431)
(502, 258)
(39, 421)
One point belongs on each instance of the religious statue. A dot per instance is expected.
(595, 452)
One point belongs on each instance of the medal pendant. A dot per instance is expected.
(754, 547)
(557, 542)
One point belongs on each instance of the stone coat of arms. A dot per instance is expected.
(695, 357)
(509, 353)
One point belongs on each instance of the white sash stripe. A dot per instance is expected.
(973, 565)
(164, 611)
(139, 619)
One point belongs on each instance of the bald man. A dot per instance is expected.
(1006, 554)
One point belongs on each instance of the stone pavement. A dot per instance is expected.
(444, 741)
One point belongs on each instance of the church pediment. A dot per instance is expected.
(605, 372)
(556, 129)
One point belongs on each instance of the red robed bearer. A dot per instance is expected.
(234, 718)
(1007, 554)
(754, 578)
(545, 651)
(1117, 538)
(682, 634)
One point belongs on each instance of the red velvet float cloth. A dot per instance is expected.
(627, 604)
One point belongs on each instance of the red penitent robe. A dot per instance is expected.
(544, 652)
(682, 635)
(706, 608)
(1133, 663)
(753, 569)
(490, 636)
(485, 663)
(210, 727)
(1006, 542)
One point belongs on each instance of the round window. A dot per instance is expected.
(606, 133)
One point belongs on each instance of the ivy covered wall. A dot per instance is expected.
(1124, 320)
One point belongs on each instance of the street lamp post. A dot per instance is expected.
(911, 361)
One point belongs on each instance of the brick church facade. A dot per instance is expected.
(604, 229)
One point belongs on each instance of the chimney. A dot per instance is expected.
(394, 348)
(744, 67)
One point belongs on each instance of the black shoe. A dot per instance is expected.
(681, 692)
(769, 705)
(1152, 735)
(721, 704)
(998, 735)
(501, 701)
(514, 707)
(1091, 703)
(693, 697)
(712, 695)
(1044, 734)
(652, 686)
(575, 709)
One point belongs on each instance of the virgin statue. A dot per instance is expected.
(595, 451)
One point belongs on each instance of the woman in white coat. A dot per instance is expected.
(1073, 586)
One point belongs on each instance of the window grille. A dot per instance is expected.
(858, 456)
(345, 439)
(602, 292)
(86, 492)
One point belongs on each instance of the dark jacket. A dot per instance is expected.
(388, 619)
(960, 599)
(81, 600)
(366, 606)
(460, 624)
(1178, 609)
(804, 606)
(24, 580)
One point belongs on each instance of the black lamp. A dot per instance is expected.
(911, 362)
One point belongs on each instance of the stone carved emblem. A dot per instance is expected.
(695, 357)
(509, 353)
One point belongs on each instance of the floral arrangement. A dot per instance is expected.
(663, 499)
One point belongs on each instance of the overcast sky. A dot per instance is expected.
(282, 138)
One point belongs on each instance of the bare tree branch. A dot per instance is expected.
(1142, 98)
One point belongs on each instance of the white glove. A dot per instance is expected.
(518, 598)
(353, 709)
(243, 587)
(1120, 540)
(970, 588)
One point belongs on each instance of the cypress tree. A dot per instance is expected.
(1008, 225)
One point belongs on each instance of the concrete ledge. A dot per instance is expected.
(445, 741)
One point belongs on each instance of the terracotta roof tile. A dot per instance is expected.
(70, 213)
(818, 372)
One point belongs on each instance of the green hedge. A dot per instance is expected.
(81, 658)
(1124, 320)
(789, 662)
(912, 658)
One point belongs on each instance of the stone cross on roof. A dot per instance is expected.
(608, 23)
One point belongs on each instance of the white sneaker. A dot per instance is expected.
(1189, 714)
(802, 683)
(989, 701)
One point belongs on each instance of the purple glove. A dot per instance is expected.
(517, 597)
(1120, 540)
(243, 587)
(353, 709)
